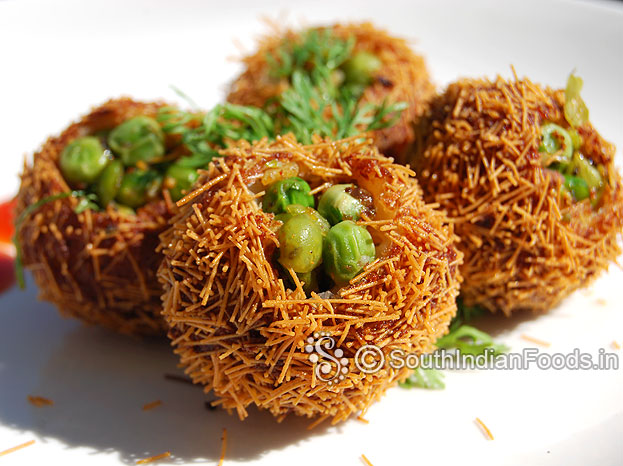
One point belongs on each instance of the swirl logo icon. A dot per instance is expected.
(330, 368)
(369, 359)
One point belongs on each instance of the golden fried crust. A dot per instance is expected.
(241, 331)
(97, 266)
(402, 78)
(527, 244)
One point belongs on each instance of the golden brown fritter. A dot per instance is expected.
(241, 330)
(527, 242)
(97, 266)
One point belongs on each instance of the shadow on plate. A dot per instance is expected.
(99, 383)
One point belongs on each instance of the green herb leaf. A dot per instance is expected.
(431, 379)
(470, 340)
(87, 201)
(204, 134)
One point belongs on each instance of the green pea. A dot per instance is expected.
(109, 182)
(300, 244)
(578, 187)
(83, 160)
(337, 205)
(347, 249)
(310, 281)
(554, 139)
(139, 187)
(179, 180)
(125, 210)
(360, 68)
(285, 192)
(138, 139)
(296, 209)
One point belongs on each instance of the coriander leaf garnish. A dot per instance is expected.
(462, 337)
(470, 340)
(431, 379)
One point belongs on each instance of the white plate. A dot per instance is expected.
(56, 60)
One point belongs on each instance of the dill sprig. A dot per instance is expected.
(317, 102)
(204, 134)
(316, 52)
(306, 109)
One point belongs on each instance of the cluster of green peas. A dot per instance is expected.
(561, 153)
(126, 165)
(328, 236)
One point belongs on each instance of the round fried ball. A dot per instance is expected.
(527, 242)
(401, 77)
(98, 266)
(245, 332)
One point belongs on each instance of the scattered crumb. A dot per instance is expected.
(601, 302)
(209, 406)
(536, 341)
(17, 447)
(223, 447)
(616, 345)
(152, 405)
(365, 460)
(484, 428)
(362, 419)
(151, 459)
(39, 401)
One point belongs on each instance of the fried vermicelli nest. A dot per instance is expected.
(241, 330)
(527, 242)
(403, 77)
(98, 266)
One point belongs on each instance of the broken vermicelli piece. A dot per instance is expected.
(16, 448)
(154, 458)
(39, 401)
(484, 428)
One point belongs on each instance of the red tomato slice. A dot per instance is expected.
(7, 217)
